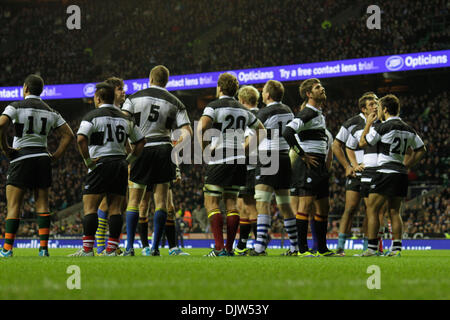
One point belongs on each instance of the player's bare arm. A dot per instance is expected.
(352, 157)
(415, 157)
(370, 120)
(4, 125)
(204, 124)
(83, 143)
(338, 151)
(66, 134)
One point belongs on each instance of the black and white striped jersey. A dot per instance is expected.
(231, 118)
(33, 119)
(275, 117)
(394, 137)
(107, 130)
(348, 126)
(156, 112)
(370, 153)
(309, 124)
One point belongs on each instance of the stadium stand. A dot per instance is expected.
(201, 35)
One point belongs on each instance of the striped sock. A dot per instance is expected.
(244, 232)
(216, 221)
(341, 240)
(132, 221)
(43, 220)
(380, 239)
(321, 223)
(232, 228)
(100, 235)
(302, 230)
(396, 245)
(263, 226)
(171, 233)
(11, 227)
(143, 231)
(159, 221)
(115, 228)
(90, 225)
(291, 228)
(373, 244)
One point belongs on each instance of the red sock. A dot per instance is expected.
(216, 221)
(232, 227)
(88, 243)
(113, 244)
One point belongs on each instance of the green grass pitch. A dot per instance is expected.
(415, 275)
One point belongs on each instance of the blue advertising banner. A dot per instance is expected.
(341, 68)
(416, 244)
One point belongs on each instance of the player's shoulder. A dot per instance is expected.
(227, 102)
(356, 120)
(105, 112)
(32, 103)
(307, 114)
(158, 93)
(395, 124)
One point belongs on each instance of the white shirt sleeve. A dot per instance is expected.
(128, 106)
(416, 142)
(135, 133)
(208, 111)
(85, 128)
(343, 135)
(372, 137)
(11, 112)
(352, 142)
(182, 118)
(59, 121)
(296, 124)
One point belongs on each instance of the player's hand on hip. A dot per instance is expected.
(350, 172)
(310, 161)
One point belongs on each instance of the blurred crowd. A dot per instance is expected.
(192, 36)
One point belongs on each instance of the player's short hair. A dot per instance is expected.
(362, 102)
(105, 92)
(35, 84)
(275, 90)
(306, 86)
(228, 84)
(159, 76)
(115, 82)
(391, 103)
(370, 93)
(249, 94)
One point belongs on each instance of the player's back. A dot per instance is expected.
(395, 138)
(33, 119)
(108, 129)
(229, 117)
(156, 112)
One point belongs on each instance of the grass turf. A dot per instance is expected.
(416, 275)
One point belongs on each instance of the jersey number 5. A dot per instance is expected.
(152, 117)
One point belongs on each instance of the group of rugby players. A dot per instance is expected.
(128, 151)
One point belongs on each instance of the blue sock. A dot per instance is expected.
(365, 244)
(341, 241)
(132, 221)
(312, 225)
(100, 235)
(159, 222)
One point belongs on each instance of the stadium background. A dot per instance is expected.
(127, 38)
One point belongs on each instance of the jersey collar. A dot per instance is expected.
(31, 96)
(314, 108)
(393, 118)
(225, 97)
(272, 103)
(157, 87)
(362, 116)
(107, 106)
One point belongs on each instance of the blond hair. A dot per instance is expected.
(249, 95)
